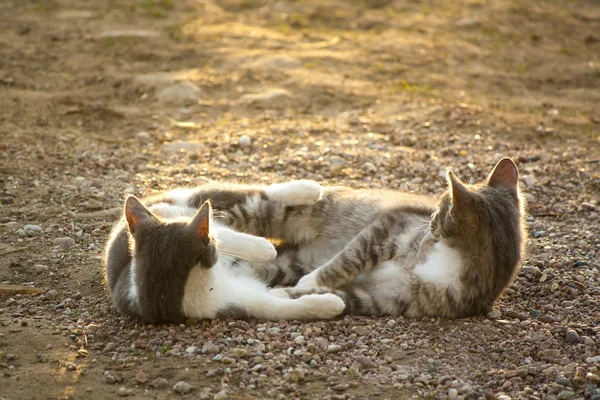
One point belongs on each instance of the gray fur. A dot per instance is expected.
(349, 233)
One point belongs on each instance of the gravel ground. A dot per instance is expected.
(107, 99)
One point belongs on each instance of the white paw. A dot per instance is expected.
(308, 282)
(261, 250)
(322, 306)
(302, 192)
(279, 292)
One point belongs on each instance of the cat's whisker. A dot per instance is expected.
(419, 227)
(416, 243)
(422, 219)
(426, 236)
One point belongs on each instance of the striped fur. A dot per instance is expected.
(382, 252)
(387, 253)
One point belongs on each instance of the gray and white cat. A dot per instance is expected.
(389, 253)
(170, 261)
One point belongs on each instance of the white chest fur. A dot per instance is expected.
(443, 267)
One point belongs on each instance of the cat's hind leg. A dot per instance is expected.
(374, 245)
(295, 193)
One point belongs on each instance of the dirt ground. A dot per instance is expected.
(102, 98)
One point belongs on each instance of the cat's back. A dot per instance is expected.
(117, 254)
(373, 201)
(118, 263)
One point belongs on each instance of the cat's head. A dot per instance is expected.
(164, 252)
(486, 222)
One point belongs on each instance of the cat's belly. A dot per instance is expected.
(391, 283)
(388, 284)
(320, 252)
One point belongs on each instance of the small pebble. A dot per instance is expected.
(191, 350)
(565, 395)
(142, 136)
(452, 394)
(551, 353)
(32, 230)
(245, 141)
(65, 241)
(181, 387)
(124, 392)
(141, 377)
(588, 206)
(209, 348)
(572, 336)
(222, 395)
(159, 383)
(334, 348)
(535, 313)
(561, 380)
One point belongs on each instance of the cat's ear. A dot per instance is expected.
(504, 175)
(137, 215)
(460, 194)
(200, 223)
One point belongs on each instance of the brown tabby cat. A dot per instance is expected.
(388, 253)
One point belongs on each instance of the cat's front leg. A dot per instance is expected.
(375, 244)
(310, 282)
(243, 246)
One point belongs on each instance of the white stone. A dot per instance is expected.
(181, 387)
(245, 141)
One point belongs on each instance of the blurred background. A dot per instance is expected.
(319, 89)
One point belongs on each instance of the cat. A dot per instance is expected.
(389, 253)
(168, 260)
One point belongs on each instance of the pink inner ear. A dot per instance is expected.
(200, 224)
(135, 213)
(460, 194)
(505, 174)
(203, 226)
(131, 213)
